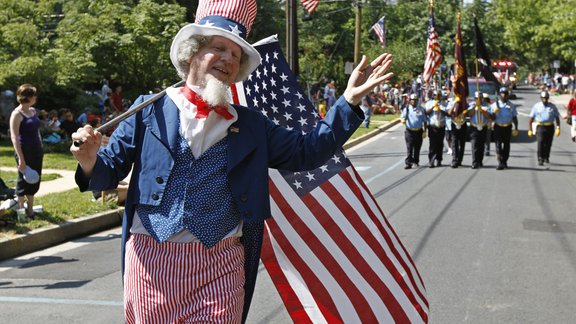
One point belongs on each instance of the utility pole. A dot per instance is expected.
(292, 35)
(357, 34)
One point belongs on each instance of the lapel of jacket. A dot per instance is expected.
(241, 139)
(163, 122)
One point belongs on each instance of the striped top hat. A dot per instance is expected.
(227, 18)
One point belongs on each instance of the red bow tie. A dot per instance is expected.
(203, 108)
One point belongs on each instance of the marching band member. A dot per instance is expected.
(437, 110)
(544, 113)
(414, 117)
(505, 115)
(479, 122)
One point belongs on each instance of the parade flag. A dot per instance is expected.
(380, 31)
(310, 5)
(433, 51)
(328, 248)
(483, 56)
(460, 76)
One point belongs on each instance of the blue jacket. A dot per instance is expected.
(145, 142)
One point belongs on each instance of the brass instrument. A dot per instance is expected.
(479, 117)
(459, 120)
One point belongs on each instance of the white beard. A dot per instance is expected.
(216, 92)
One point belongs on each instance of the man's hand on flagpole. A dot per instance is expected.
(86, 154)
(367, 76)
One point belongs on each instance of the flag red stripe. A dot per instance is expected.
(291, 300)
(359, 181)
(321, 297)
(377, 247)
(380, 287)
(326, 258)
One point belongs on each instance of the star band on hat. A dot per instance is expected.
(231, 19)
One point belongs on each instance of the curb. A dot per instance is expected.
(373, 133)
(46, 237)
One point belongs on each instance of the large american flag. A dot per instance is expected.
(310, 5)
(380, 31)
(433, 51)
(328, 248)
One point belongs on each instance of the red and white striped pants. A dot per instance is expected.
(183, 282)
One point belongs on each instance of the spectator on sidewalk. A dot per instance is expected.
(68, 124)
(116, 99)
(571, 116)
(27, 142)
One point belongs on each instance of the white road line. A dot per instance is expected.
(384, 172)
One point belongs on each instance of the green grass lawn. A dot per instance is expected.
(56, 156)
(58, 208)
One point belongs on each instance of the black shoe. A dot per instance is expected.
(438, 163)
(474, 166)
(540, 162)
(500, 167)
(454, 165)
(408, 166)
(431, 164)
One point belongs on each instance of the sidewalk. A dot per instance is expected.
(64, 183)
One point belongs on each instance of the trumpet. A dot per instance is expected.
(479, 118)
(459, 120)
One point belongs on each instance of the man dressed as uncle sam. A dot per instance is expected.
(198, 195)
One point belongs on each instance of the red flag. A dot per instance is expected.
(310, 5)
(329, 250)
(460, 75)
(433, 51)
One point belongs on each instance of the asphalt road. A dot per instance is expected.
(492, 246)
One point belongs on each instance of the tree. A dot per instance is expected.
(111, 39)
(24, 46)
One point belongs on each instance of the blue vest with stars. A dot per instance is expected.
(197, 197)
